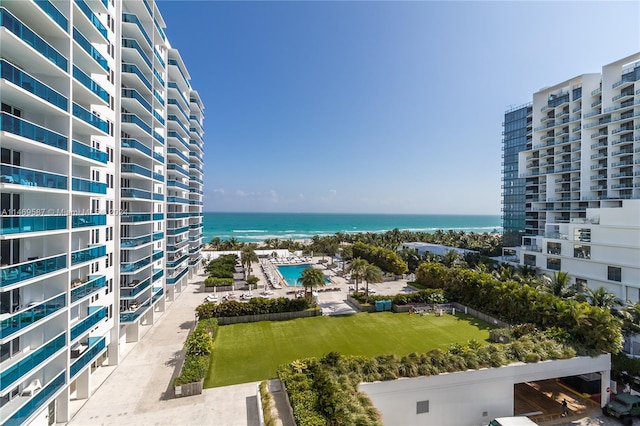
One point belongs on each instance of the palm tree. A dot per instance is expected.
(600, 297)
(248, 256)
(372, 274)
(558, 285)
(310, 279)
(357, 268)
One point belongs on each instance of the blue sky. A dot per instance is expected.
(380, 107)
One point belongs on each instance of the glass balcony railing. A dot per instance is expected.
(157, 274)
(134, 288)
(84, 185)
(177, 120)
(176, 231)
(158, 236)
(182, 141)
(173, 85)
(157, 255)
(85, 220)
(135, 193)
(133, 69)
(157, 54)
(30, 177)
(175, 263)
(134, 242)
(35, 402)
(87, 255)
(174, 102)
(177, 65)
(82, 290)
(132, 316)
(158, 177)
(158, 117)
(91, 51)
(157, 294)
(92, 18)
(18, 77)
(98, 314)
(33, 314)
(90, 118)
(135, 217)
(177, 200)
(158, 137)
(20, 127)
(177, 169)
(159, 77)
(53, 13)
(128, 267)
(196, 143)
(134, 168)
(88, 356)
(158, 216)
(135, 144)
(177, 215)
(158, 197)
(177, 184)
(158, 97)
(87, 82)
(133, 44)
(159, 30)
(25, 33)
(158, 157)
(146, 5)
(24, 271)
(22, 224)
(196, 167)
(31, 361)
(134, 119)
(89, 152)
(177, 278)
(133, 19)
(134, 94)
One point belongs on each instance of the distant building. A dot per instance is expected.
(100, 191)
(435, 249)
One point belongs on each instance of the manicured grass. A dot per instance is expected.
(251, 352)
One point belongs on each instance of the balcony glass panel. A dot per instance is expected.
(91, 51)
(159, 77)
(94, 284)
(182, 141)
(159, 30)
(178, 169)
(157, 254)
(177, 200)
(35, 402)
(176, 262)
(158, 97)
(87, 357)
(87, 82)
(178, 215)
(134, 168)
(157, 294)
(128, 267)
(20, 224)
(92, 17)
(134, 242)
(146, 5)
(133, 19)
(177, 120)
(29, 316)
(158, 197)
(30, 84)
(29, 177)
(132, 316)
(173, 280)
(133, 143)
(135, 217)
(158, 236)
(84, 220)
(132, 69)
(89, 118)
(175, 103)
(87, 255)
(135, 193)
(173, 85)
(134, 119)
(158, 177)
(84, 185)
(158, 216)
(23, 32)
(158, 157)
(158, 137)
(133, 94)
(159, 117)
(177, 65)
(53, 13)
(31, 361)
(23, 128)
(133, 44)
(155, 52)
(177, 230)
(134, 288)
(157, 274)
(177, 184)
(24, 271)
(88, 322)
(89, 152)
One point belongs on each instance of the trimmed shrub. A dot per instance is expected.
(256, 306)
(199, 345)
(216, 282)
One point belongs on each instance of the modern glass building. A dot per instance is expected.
(101, 146)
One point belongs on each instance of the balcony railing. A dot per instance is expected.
(31, 361)
(126, 317)
(173, 280)
(158, 97)
(158, 117)
(133, 69)
(133, 44)
(159, 77)
(96, 315)
(157, 255)
(158, 137)
(87, 82)
(177, 65)
(135, 217)
(157, 55)
(158, 236)
(53, 13)
(135, 144)
(35, 402)
(133, 19)
(176, 151)
(88, 356)
(134, 94)
(174, 263)
(85, 220)
(30, 177)
(84, 185)
(89, 152)
(134, 168)
(86, 255)
(32, 85)
(95, 283)
(134, 242)
(177, 200)
(178, 169)
(92, 17)
(158, 197)
(128, 267)
(91, 51)
(178, 184)
(27, 317)
(22, 224)
(90, 118)
(20, 127)
(134, 119)
(24, 271)
(134, 288)
(23, 32)
(158, 216)
(135, 193)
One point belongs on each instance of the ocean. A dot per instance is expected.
(253, 227)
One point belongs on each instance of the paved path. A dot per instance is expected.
(138, 391)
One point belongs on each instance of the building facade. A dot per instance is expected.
(581, 175)
(101, 193)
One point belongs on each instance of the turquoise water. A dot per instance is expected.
(291, 273)
(302, 226)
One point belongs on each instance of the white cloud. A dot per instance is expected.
(218, 191)
(333, 192)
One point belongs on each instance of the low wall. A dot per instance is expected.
(209, 289)
(188, 389)
(484, 317)
(359, 306)
(269, 317)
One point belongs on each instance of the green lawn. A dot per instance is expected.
(251, 352)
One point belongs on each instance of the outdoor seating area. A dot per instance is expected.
(269, 271)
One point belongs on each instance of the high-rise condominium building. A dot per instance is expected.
(101, 145)
(580, 167)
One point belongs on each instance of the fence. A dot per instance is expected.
(269, 317)
(484, 317)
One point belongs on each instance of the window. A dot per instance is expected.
(581, 284)
(554, 248)
(614, 273)
(530, 259)
(582, 234)
(582, 252)
(422, 407)
(553, 264)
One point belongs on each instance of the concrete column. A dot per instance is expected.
(133, 332)
(62, 406)
(83, 385)
(605, 392)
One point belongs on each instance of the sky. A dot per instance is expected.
(377, 106)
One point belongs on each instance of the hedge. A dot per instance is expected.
(216, 282)
(199, 346)
(428, 296)
(255, 306)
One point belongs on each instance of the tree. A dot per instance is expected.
(600, 297)
(310, 279)
(247, 257)
(357, 268)
(558, 285)
(372, 274)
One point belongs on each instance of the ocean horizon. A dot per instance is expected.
(255, 227)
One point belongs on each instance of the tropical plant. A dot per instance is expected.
(558, 285)
(357, 268)
(600, 297)
(311, 278)
(247, 257)
(372, 274)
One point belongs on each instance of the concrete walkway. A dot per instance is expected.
(139, 390)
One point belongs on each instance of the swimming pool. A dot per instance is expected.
(291, 273)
